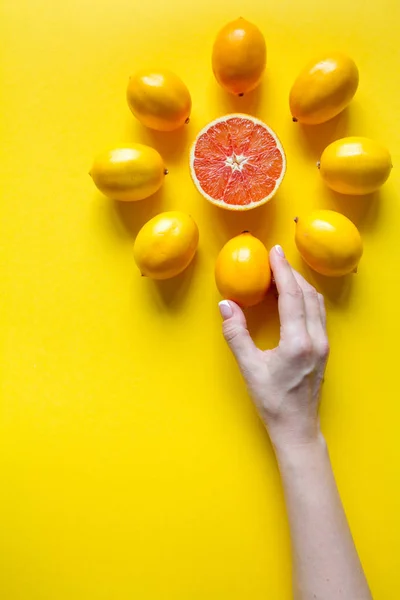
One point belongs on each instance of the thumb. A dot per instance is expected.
(236, 334)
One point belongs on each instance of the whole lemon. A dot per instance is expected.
(159, 99)
(166, 245)
(329, 242)
(242, 271)
(130, 173)
(239, 56)
(323, 88)
(355, 165)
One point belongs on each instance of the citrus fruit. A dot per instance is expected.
(130, 173)
(237, 162)
(242, 271)
(239, 56)
(355, 165)
(159, 99)
(328, 242)
(323, 89)
(166, 245)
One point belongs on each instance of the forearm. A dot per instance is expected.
(325, 561)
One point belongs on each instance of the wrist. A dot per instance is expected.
(300, 451)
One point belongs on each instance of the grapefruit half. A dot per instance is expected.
(237, 162)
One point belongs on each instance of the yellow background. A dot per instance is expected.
(132, 462)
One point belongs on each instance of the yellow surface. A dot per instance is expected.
(132, 463)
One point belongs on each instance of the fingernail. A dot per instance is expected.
(225, 309)
(280, 251)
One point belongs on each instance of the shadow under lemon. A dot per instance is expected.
(230, 103)
(258, 221)
(124, 219)
(335, 289)
(172, 145)
(313, 139)
(133, 215)
(170, 293)
(263, 321)
(362, 210)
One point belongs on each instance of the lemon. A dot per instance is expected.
(166, 245)
(323, 89)
(328, 242)
(159, 99)
(355, 165)
(239, 56)
(130, 173)
(242, 271)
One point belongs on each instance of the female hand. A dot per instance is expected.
(284, 383)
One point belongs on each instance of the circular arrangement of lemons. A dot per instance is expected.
(327, 240)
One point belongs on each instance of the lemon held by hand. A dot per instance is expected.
(242, 271)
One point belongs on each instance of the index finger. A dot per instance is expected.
(291, 300)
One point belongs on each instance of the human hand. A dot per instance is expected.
(284, 383)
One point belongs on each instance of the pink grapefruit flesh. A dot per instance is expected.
(237, 162)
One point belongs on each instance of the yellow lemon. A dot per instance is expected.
(239, 56)
(130, 173)
(329, 242)
(159, 99)
(323, 89)
(242, 271)
(166, 245)
(355, 165)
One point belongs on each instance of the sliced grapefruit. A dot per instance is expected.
(237, 162)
